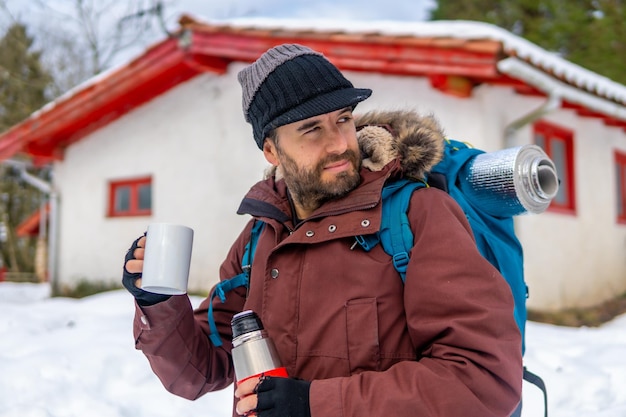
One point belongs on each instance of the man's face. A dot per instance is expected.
(319, 157)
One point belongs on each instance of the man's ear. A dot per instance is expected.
(270, 153)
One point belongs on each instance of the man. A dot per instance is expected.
(354, 339)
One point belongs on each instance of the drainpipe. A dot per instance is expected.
(542, 81)
(552, 103)
(53, 200)
(555, 89)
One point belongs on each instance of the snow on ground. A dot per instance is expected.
(62, 357)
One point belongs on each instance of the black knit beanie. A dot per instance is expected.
(289, 83)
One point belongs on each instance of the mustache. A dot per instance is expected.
(348, 154)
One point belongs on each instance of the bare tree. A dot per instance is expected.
(81, 38)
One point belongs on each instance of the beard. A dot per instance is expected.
(306, 185)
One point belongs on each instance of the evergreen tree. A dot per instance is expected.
(590, 33)
(24, 80)
(23, 88)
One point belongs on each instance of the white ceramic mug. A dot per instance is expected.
(167, 258)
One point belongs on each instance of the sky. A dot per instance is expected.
(344, 9)
(404, 10)
(63, 357)
(57, 13)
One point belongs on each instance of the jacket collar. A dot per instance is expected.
(269, 198)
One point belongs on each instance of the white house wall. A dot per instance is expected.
(195, 143)
(580, 260)
(570, 260)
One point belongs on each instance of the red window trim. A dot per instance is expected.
(551, 131)
(134, 184)
(620, 163)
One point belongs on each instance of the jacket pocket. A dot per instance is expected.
(362, 335)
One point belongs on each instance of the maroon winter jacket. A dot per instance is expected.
(445, 343)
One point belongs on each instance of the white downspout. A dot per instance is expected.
(556, 90)
(53, 234)
(552, 103)
(518, 69)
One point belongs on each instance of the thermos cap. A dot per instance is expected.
(245, 322)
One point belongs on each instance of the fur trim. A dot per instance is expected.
(416, 140)
(273, 171)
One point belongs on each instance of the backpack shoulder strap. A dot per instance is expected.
(395, 233)
(240, 280)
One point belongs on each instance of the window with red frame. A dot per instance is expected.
(558, 143)
(131, 197)
(620, 179)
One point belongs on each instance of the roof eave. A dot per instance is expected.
(586, 104)
(452, 65)
(47, 132)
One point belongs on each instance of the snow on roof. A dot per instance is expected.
(512, 45)
(516, 58)
(93, 80)
(88, 83)
(470, 30)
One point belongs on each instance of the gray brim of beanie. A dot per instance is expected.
(322, 104)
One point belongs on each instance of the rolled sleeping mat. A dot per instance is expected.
(511, 181)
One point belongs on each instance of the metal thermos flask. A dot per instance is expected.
(254, 353)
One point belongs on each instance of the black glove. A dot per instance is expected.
(144, 298)
(283, 397)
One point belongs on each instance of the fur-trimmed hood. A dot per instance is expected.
(416, 140)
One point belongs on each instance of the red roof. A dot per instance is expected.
(452, 64)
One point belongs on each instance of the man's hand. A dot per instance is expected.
(131, 277)
(274, 397)
(134, 259)
(246, 393)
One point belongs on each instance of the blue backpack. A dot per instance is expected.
(495, 237)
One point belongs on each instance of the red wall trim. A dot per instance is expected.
(620, 192)
(552, 134)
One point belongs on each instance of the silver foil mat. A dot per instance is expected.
(511, 181)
